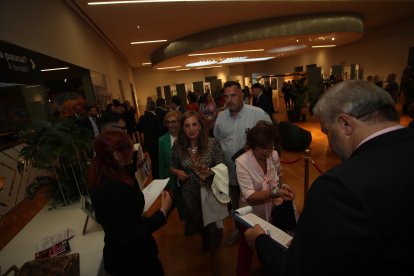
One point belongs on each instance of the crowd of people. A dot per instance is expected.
(201, 146)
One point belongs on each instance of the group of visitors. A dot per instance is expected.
(345, 226)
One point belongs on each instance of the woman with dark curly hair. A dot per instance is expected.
(194, 155)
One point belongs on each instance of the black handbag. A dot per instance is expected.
(284, 217)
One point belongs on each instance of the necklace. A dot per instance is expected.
(192, 150)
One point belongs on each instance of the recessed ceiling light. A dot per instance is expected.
(228, 52)
(201, 63)
(94, 3)
(146, 63)
(55, 69)
(287, 48)
(170, 67)
(149, 41)
(207, 67)
(323, 46)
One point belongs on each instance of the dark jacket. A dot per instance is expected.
(129, 247)
(357, 217)
(151, 126)
(264, 103)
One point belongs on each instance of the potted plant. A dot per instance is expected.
(60, 148)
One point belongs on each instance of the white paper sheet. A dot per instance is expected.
(245, 215)
(152, 191)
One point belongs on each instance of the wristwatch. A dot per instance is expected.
(273, 192)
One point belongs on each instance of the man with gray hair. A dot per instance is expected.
(357, 216)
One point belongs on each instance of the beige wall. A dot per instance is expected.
(147, 79)
(52, 28)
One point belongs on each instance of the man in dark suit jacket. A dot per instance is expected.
(90, 123)
(261, 100)
(357, 216)
(151, 126)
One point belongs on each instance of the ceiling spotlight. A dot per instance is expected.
(146, 63)
(287, 48)
(333, 38)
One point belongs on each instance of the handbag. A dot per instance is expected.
(284, 216)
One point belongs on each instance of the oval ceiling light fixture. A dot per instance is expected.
(226, 38)
(289, 48)
(201, 63)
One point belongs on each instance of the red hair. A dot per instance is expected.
(104, 162)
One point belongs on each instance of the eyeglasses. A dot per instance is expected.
(171, 122)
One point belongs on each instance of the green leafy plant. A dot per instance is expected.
(62, 149)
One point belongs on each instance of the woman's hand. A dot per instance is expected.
(286, 192)
(277, 201)
(202, 171)
(181, 175)
(166, 202)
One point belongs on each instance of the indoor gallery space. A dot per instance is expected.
(76, 72)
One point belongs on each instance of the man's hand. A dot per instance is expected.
(252, 233)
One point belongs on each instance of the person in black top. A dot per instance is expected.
(152, 127)
(129, 247)
(262, 100)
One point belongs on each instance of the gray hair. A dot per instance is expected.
(358, 98)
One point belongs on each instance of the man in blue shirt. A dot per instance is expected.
(230, 129)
